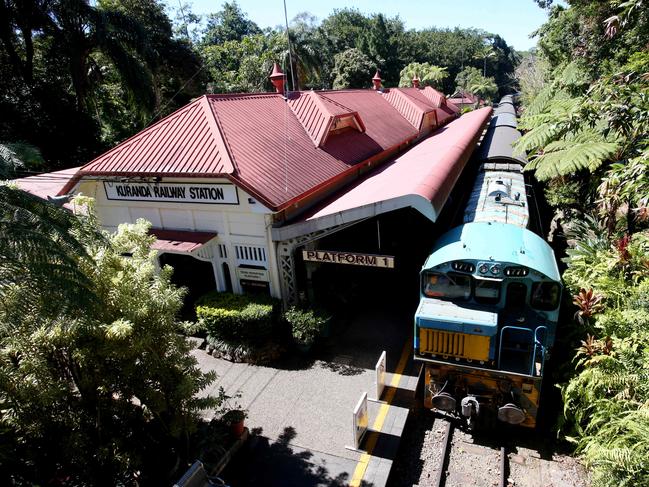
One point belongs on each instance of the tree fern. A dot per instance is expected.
(565, 157)
(41, 246)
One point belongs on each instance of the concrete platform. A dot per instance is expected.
(300, 411)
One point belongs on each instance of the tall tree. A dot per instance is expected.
(352, 69)
(228, 24)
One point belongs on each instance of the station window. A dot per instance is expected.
(545, 296)
(447, 286)
(487, 291)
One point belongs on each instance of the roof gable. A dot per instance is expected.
(410, 107)
(320, 115)
(436, 98)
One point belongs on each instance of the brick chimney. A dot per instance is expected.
(415, 81)
(277, 78)
(376, 81)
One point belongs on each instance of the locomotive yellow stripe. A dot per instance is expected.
(364, 460)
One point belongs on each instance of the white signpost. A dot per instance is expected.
(361, 420)
(380, 375)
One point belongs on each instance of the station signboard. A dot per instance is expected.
(203, 193)
(252, 274)
(349, 258)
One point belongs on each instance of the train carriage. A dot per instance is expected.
(489, 296)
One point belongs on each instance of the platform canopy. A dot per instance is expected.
(422, 179)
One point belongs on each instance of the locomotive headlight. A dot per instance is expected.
(495, 269)
(484, 268)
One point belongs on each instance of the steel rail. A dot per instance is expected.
(503, 467)
(440, 479)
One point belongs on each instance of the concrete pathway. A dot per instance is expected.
(301, 410)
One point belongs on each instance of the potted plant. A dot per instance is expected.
(306, 325)
(235, 418)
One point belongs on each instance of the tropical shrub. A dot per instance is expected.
(103, 397)
(305, 325)
(237, 318)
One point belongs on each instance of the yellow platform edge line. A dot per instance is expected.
(364, 460)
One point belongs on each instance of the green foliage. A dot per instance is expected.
(428, 74)
(352, 69)
(243, 65)
(564, 157)
(573, 127)
(15, 157)
(306, 325)
(41, 249)
(229, 24)
(471, 80)
(237, 318)
(105, 68)
(562, 194)
(107, 396)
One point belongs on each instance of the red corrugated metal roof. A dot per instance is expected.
(187, 142)
(271, 150)
(178, 240)
(451, 107)
(384, 124)
(317, 114)
(434, 98)
(410, 107)
(46, 184)
(258, 142)
(422, 178)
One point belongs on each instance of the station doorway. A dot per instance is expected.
(196, 275)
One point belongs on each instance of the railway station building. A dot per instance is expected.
(288, 194)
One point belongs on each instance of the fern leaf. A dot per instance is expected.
(563, 158)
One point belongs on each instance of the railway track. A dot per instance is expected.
(456, 467)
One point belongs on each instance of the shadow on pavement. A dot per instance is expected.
(263, 462)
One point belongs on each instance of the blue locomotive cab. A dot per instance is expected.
(489, 298)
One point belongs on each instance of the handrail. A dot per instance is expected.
(538, 344)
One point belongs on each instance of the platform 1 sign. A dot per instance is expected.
(380, 376)
(350, 258)
(215, 194)
(361, 420)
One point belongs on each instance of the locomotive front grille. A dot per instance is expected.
(460, 345)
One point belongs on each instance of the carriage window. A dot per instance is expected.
(447, 286)
(545, 296)
(487, 292)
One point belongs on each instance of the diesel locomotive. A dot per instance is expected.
(489, 295)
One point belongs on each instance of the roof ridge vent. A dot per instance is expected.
(376, 80)
(277, 77)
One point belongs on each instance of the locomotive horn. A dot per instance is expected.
(510, 413)
(444, 401)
